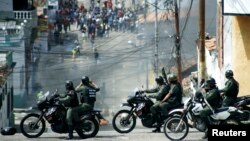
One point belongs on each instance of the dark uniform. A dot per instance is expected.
(70, 100)
(161, 90)
(84, 106)
(231, 89)
(88, 90)
(213, 98)
(174, 97)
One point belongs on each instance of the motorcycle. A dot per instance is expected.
(177, 128)
(242, 102)
(124, 121)
(49, 109)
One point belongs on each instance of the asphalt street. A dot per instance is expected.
(106, 133)
(122, 67)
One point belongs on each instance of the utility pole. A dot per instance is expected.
(202, 63)
(177, 42)
(156, 40)
(145, 22)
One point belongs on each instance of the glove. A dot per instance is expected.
(98, 89)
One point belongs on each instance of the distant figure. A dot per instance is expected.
(96, 54)
(74, 54)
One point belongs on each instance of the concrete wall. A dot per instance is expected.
(6, 5)
(6, 117)
(213, 69)
(241, 51)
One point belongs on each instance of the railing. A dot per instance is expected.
(31, 16)
(25, 14)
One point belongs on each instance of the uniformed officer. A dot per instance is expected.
(70, 100)
(161, 90)
(174, 96)
(212, 96)
(231, 89)
(88, 90)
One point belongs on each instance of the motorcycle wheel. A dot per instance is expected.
(90, 129)
(27, 126)
(121, 124)
(171, 125)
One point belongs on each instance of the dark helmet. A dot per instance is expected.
(229, 74)
(159, 80)
(172, 78)
(85, 79)
(69, 85)
(210, 82)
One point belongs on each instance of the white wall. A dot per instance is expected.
(227, 42)
(213, 68)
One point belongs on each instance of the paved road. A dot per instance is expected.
(108, 134)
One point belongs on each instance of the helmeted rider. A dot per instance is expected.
(159, 107)
(173, 98)
(231, 89)
(212, 96)
(88, 90)
(71, 101)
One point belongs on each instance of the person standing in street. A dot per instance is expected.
(74, 51)
(96, 54)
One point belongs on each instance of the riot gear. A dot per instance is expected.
(172, 78)
(85, 80)
(229, 74)
(69, 85)
(159, 80)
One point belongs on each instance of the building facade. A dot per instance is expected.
(6, 89)
(232, 44)
(18, 22)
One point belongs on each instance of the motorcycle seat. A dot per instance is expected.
(221, 109)
(178, 106)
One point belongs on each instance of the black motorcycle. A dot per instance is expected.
(48, 109)
(124, 121)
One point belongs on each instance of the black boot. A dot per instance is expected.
(159, 123)
(157, 130)
(70, 131)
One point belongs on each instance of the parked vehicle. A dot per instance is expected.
(177, 128)
(48, 109)
(124, 121)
